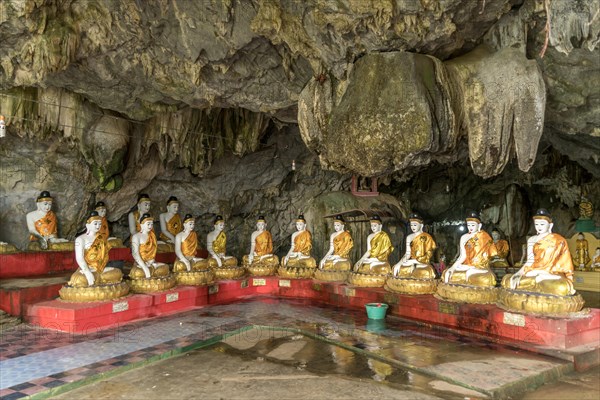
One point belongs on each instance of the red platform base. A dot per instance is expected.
(568, 334)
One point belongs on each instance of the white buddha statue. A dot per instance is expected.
(43, 226)
(143, 249)
(93, 280)
(416, 262)
(379, 248)
(596, 260)
(473, 264)
(261, 260)
(170, 221)
(340, 245)
(134, 217)
(186, 244)
(301, 245)
(101, 209)
(216, 242)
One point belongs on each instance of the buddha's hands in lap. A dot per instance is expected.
(89, 276)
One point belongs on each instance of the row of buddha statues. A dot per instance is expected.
(544, 283)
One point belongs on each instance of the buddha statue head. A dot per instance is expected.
(542, 221)
(189, 222)
(473, 222)
(338, 223)
(146, 223)
(261, 223)
(173, 205)
(44, 201)
(416, 223)
(496, 235)
(143, 203)
(376, 223)
(93, 223)
(100, 208)
(300, 223)
(580, 236)
(219, 223)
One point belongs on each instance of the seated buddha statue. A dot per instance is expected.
(500, 260)
(100, 208)
(373, 267)
(189, 269)
(473, 264)
(43, 227)
(419, 250)
(582, 255)
(135, 217)
(148, 275)
(301, 245)
(91, 254)
(336, 263)
(596, 260)
(416, 262)
(216, 241)
(170, 221)
(549, 267)
(261, 260)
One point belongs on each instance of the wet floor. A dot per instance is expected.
(331, 350)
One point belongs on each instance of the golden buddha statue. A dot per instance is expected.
(470, 279)
(582, 253)
(43, 227)
(189, 269)
(170, 221)
(224, 266)
(93, 281)
(100, 208)
(148, 275)
(414, 274)
(545, 282)
(596, 260)
(298, 263)
(336, 264)
(373, 267)
(499, 261)
(135, 217)
(261, 261)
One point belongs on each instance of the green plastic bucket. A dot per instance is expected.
(376, 310)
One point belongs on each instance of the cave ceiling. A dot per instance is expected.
(377, 87)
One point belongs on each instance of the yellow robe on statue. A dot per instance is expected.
(551, 254)
(148, 249)
(342, 244)
(381, 246)
(174, 226)
(46, 226)
(220, 243)
(263, 244)
(96, 256)
(502, 248)
(480, 248)
(136, 216)
(190, 245)
(422, 247)
(104, 228)
(303, 243)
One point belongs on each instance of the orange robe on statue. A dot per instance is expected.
(174, 226)
(45, 226)
(552, 255)
(480, 248)
(303, 243)
(263, 244)
(342, 244)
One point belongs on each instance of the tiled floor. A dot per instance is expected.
(34, 360)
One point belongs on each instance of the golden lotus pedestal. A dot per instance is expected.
(539, 303)
(195, 278)
(331, 276)
(262, 269)
(94, 293)
(411, 286)
(467, 293)
(151, 285)
(295, 272)
(225, 273)
(366, 280)
(61, 246)
(7, 248)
